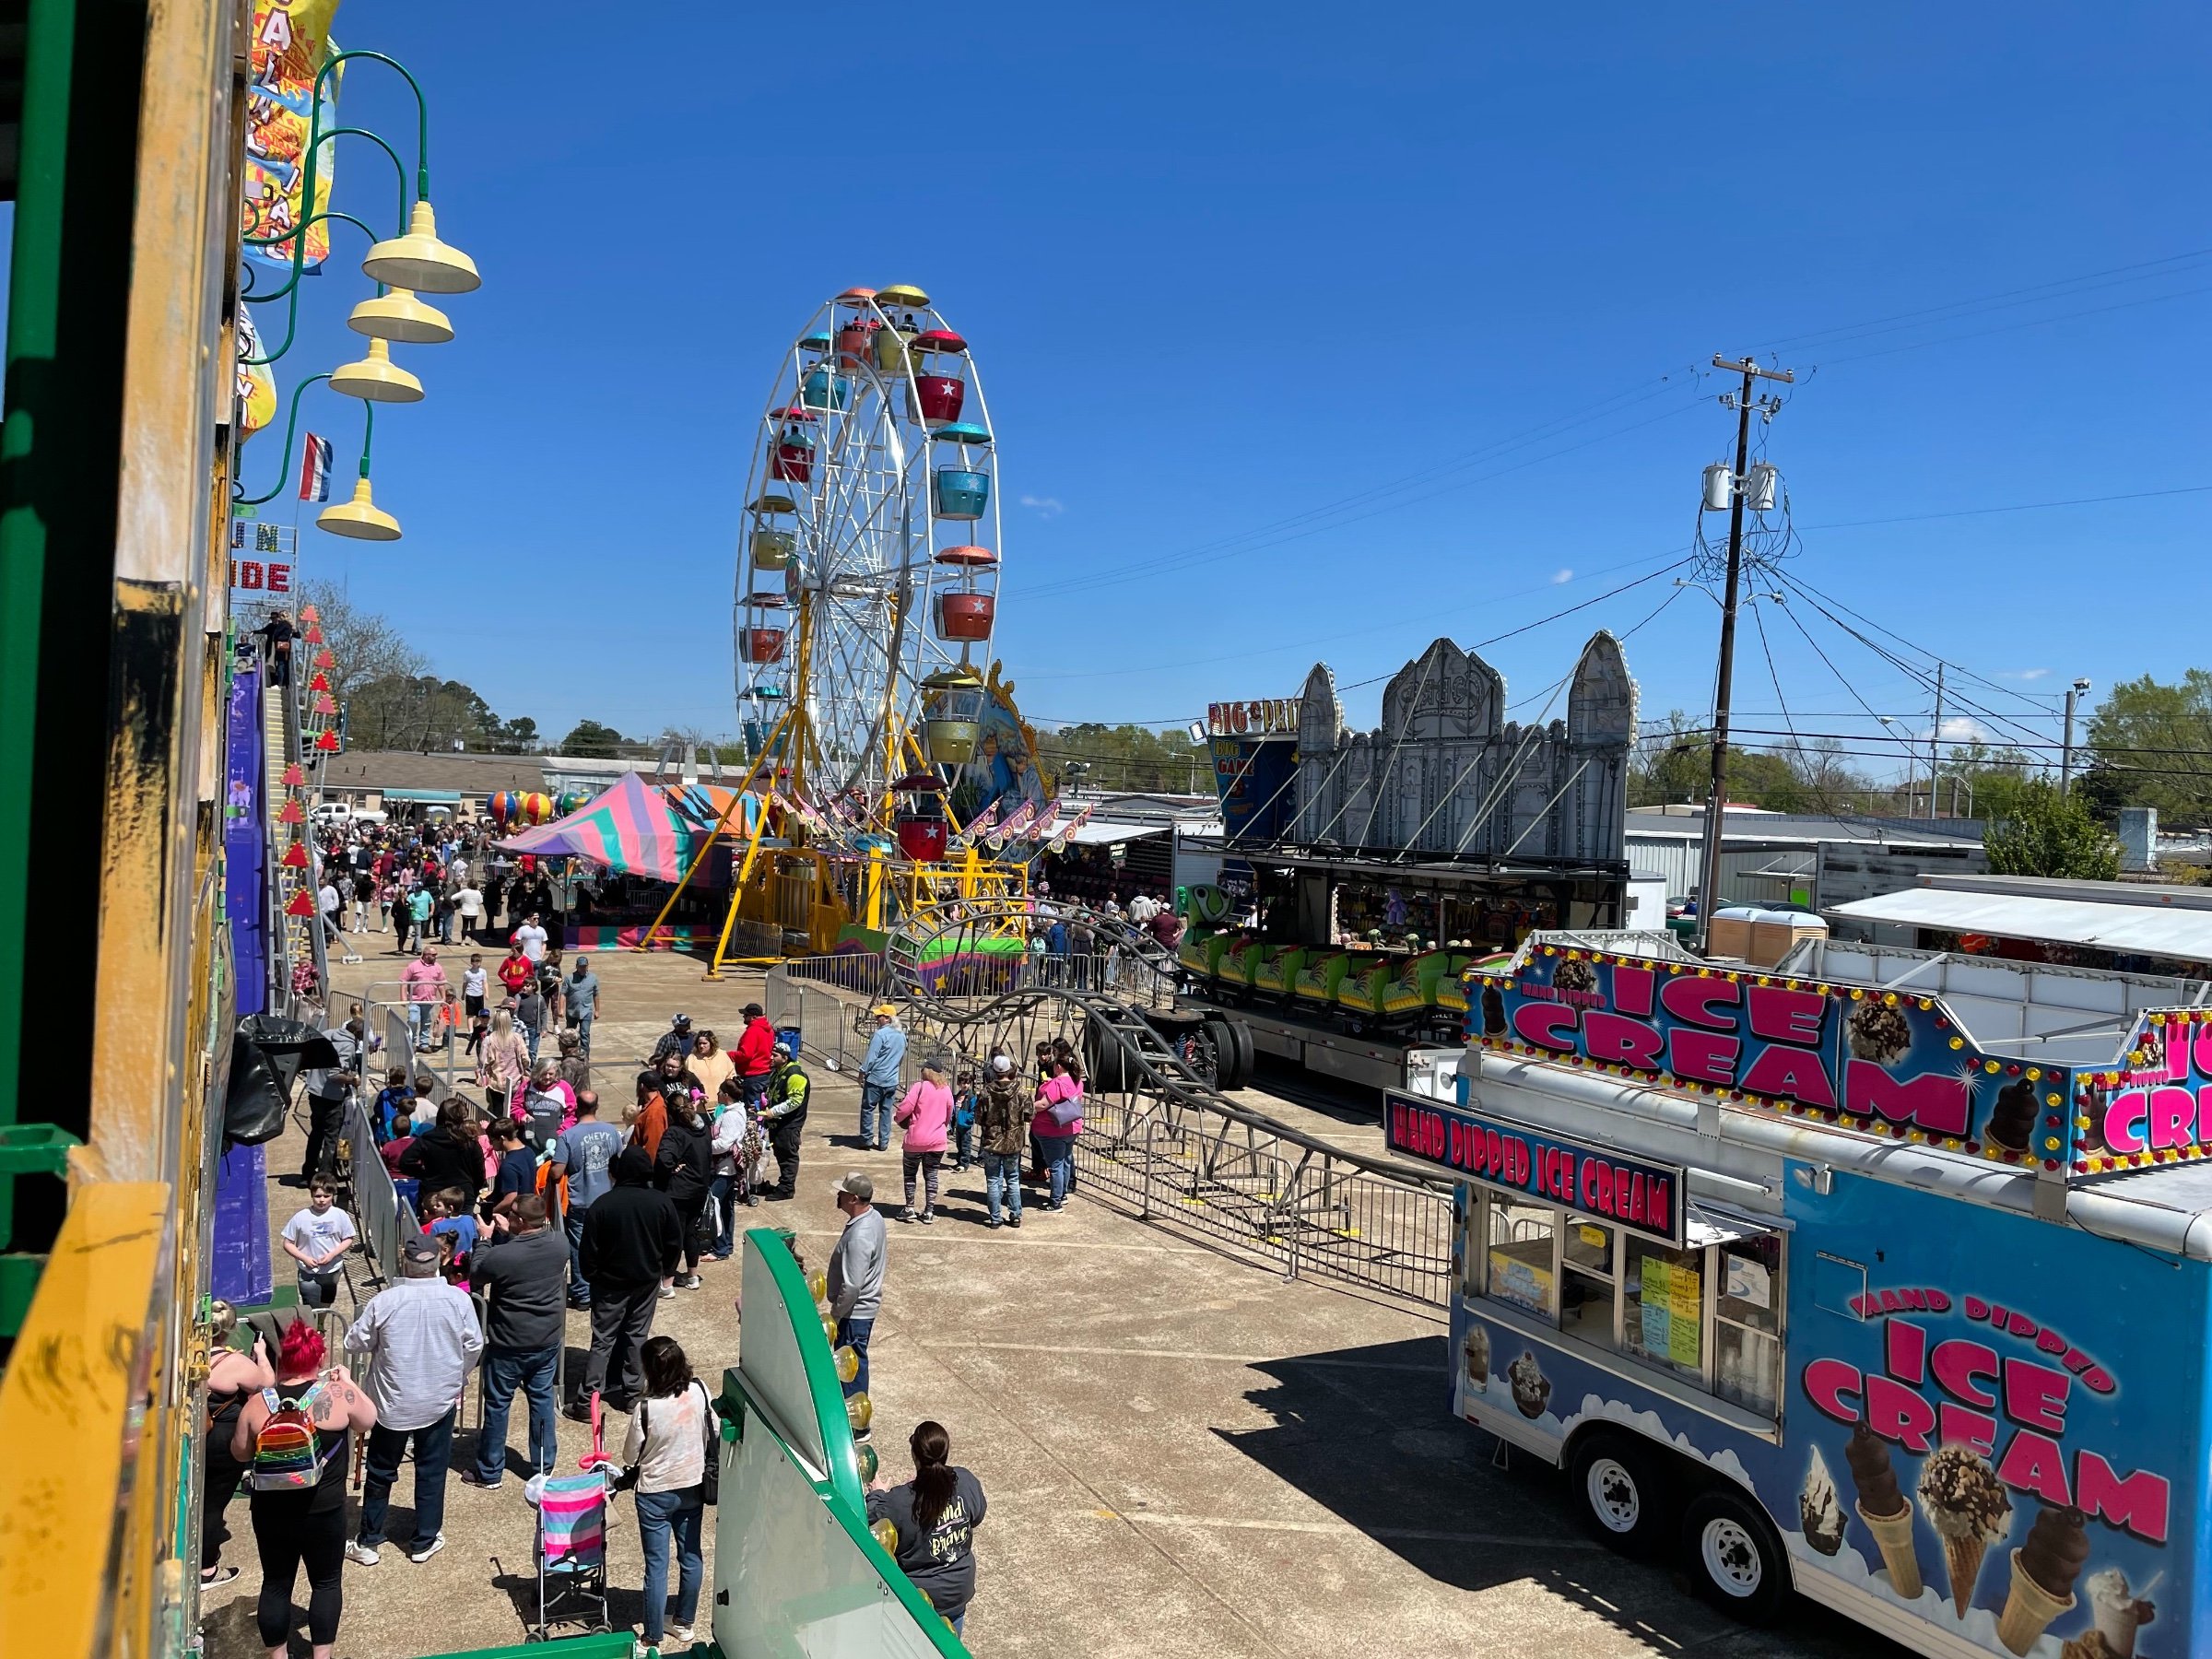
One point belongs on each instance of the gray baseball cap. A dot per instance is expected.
(856, 1184)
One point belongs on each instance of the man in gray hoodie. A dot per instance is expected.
(856, 1270)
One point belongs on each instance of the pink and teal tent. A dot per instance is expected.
(631, 829)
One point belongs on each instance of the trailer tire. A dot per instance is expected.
(1624, 1493)
(1101, 1058)
(1735, 1558)
(1248, 1059)
(1221, 1031)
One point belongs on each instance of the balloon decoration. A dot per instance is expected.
(574, 800)
(536, 807)
(502, 807)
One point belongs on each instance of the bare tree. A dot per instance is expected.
(364, 644)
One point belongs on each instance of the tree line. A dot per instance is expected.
(2148, 742)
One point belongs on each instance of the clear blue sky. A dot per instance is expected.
(1222, 266)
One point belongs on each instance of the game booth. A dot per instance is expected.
(622, 853)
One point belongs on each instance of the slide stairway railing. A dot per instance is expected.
(1160, 1140)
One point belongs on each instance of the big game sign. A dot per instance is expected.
(1884, 1063)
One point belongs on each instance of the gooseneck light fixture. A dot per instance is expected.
(360, 518)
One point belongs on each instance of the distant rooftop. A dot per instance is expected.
(1753, 824)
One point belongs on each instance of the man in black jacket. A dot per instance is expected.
(632, 1238)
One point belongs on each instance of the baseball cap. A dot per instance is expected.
(681, 1020)
(784, 1049)
(856, 1184)
(885, 1011)
(421, 1248)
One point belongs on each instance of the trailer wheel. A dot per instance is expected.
(1736, 1556)
(1229, 1068)
(1623, 1493)
(1102, 1057)
(1248, 1059)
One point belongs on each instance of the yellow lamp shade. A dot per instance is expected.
(421, 263)
(361, 519)
(400, 316)
(901, 295)
(377, 378)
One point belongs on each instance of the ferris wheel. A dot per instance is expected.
(868, 574)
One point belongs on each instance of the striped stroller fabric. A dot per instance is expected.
(572, 1522)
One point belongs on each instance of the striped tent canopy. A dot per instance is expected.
(631, 829)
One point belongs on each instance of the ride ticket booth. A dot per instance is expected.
(1883, 1275)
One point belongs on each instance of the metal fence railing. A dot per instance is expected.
(386, 1220)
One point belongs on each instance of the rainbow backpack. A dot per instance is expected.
(287, 1455)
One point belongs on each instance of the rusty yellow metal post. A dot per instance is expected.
(737, 799)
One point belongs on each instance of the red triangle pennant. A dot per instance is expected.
(326, 659)
(308, 613)
(320, 683)
(327, 744)
(290, 813)
(314, 635)
(325, 704)
(303, 904)
(295, 856)
(293, 776)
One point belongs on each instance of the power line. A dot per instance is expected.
(2139, 272)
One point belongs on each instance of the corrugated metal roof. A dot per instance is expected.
(1748, 827)
(2147, 929)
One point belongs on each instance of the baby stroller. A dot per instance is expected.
(571, 1551)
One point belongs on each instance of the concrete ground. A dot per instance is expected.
(1183, 1455)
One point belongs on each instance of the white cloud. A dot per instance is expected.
(1959, 728)
(1559, 576)
(1048, 505)
(2026, 674)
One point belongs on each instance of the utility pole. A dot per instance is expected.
(2066, 753)
(1935, 736)
(1716, 801)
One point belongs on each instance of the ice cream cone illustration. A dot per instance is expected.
(1893, 1537)
(1887, 1512)
(1969, 1512)
(2044, 1570)
(1962, 1561)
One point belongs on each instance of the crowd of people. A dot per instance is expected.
(536, 1200)
(426, 883)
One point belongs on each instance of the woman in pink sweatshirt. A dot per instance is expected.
(1063, 1090)
(927, 1115)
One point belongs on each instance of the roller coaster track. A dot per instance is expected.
(1161, 1138)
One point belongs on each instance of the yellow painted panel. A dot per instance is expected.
(70, 1416)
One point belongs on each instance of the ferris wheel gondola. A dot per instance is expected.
(869, 567)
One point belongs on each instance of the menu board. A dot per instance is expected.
(1671, 1304)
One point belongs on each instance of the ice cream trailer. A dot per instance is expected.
(1881, 1275)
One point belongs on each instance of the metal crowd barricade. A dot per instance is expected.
(386, 1220)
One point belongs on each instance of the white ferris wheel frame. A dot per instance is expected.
(867, 533)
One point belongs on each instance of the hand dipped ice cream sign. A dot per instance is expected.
(1640, 1197)
(1886, 1062)
(1978, 1392)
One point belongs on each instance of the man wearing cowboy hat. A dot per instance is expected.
(879, 1078)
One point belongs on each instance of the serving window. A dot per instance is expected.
(1708, 1315)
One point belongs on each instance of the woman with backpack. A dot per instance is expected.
(292, 1438)
(667, 1454)
(935, 1515)
(683, 1168)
